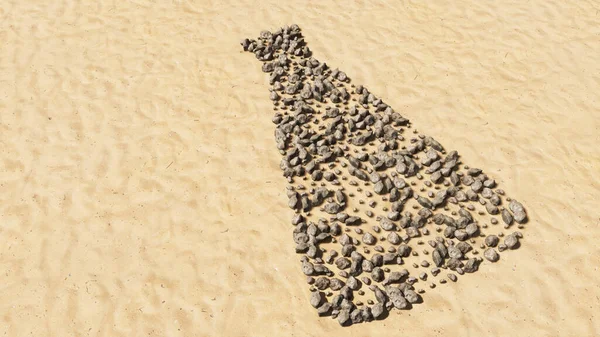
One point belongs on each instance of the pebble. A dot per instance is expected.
(369, 239)
(491, 241)
(520, 216)
(396, 297)
(507, 217)
(343, 317)
(511, 241)
(316, 299)
(491, 255)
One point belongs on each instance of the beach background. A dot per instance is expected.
(140, 190)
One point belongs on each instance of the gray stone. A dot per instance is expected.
(472, 229)
(367, 266)
(322, 283)
(454, 263)
(298, 218)
(491, 241)
(340, 196)
(477, 186)
(395, 277)
(352, 283)
(377, 274)
(324, 309)
(411, 296)
(387, 224)
(379, 188)
(356, 316)
(491, 255)
(336, 284)
(425, 202)
(308, 268)
(491, 209)
(315, 299)
(461, 234)
(342, 263)
(394, 238)
(353, 221)
(369, 239)
(397, 298)
(404, 250)
(437, 258)
(520, 216)
(332, 208)
(507, 217)
(511, 241)
(471, 266)
(378, 310)
(343, 317)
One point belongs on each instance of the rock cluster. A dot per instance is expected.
(382, 200)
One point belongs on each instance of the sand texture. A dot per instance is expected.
(141, 188)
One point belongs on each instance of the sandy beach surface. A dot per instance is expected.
(141, 193)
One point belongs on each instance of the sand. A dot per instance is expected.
(141, 193)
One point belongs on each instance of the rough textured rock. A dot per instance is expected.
(396, 297)
(491, 255)
(315, 299)
(491, 240)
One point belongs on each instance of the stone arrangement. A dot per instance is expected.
(382, 212)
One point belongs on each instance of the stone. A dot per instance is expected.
(353, 283)
(491, 241)
(397, 298)
(471, 265)
(380, 188)
(491, 255)
(491, 209)
(424, 202)
(511, 241)
(308, 268)
(342, 263)
(369, 239)
(455, 253)
(437, 258)
(343, 317)
(377, 274)
(477, 186)
(520, 216)
(315, 299)
(336, 284)
(507, 217)
(322, 283)
(356, 316)
(471, 229)
(412, 296)
(353, 221)
(387, 224)
(332, 208)
(394, 238)
(324, 309)
(378, 310)
(395, 277)
(461, 234)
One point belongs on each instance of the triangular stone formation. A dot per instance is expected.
(383, 212)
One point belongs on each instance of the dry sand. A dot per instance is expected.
(140, 187)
